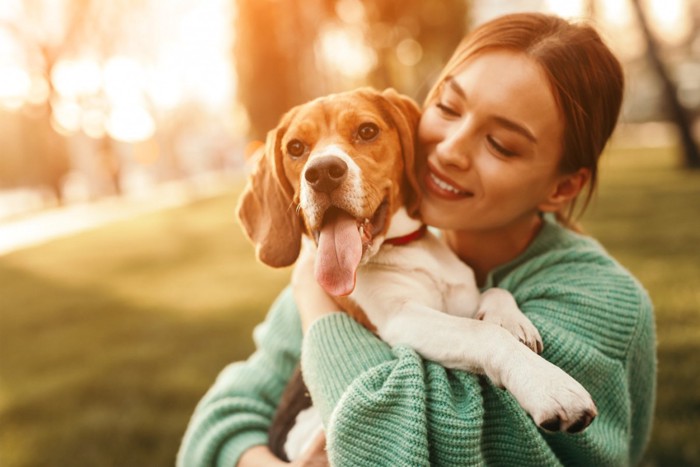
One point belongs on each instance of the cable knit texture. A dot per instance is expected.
(385, 406)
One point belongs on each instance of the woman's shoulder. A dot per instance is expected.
(561, 256)
(569, 281)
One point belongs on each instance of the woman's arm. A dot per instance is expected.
(385, 406)
(261, 456)
(236, 412)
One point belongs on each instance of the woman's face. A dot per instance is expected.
(491, 144)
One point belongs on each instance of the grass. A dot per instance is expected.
(648, 216)
(109, 338)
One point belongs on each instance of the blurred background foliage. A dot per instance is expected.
(106, 98)
(109, 337)
(324, 46)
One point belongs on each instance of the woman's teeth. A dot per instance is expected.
(446, 186)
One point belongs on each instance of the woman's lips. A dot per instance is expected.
(443, 188)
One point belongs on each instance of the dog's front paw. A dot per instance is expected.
(554, 400)
(569, 409)
(516, 323)
(498, 306)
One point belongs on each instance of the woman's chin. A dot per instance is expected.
(435, 215)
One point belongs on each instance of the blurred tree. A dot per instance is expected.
(283, 48)
(413, 39)
(679, 114)
(30, 163)
(274, 56)
(48, 33)
(32, 153)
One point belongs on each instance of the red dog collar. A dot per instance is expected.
(408, 238)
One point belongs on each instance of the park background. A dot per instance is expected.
(126, 284)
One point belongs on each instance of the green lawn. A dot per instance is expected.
(648, 216)
(108, 338)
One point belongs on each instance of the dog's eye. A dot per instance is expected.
(296, 148)
(368, 131)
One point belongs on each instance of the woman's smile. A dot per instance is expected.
(442, 187)
(491, 140)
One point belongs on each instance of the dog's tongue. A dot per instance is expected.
(339, 253)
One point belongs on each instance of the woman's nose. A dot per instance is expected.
(455, 149)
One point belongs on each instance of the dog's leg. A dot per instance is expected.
(495, 305)
(498, 306)
(553, 398)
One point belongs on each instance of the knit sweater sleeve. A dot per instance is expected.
(597, 324)
(384, 406)
(237, 410)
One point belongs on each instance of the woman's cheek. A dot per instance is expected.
(428, 128)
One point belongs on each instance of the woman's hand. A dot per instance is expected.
(261, 456)
(313, 302)
(315, 455)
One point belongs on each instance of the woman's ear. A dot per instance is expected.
(567, 188)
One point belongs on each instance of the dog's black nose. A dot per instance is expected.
(325, 174)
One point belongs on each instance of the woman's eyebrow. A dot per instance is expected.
(454, 85)
(513, 126)
(503, 121)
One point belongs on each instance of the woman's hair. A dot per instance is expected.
(584, 76)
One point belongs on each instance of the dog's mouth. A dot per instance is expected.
(368, 228)
(342, 241)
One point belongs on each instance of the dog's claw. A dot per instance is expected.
(581, 424)
(553, 424)
(517, 324)
(578, 426)
(554, 400)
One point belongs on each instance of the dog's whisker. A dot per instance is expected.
(297, 206)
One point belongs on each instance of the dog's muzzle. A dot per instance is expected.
(326, 173)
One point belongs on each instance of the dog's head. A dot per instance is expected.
(337, 169)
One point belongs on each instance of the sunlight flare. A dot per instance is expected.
(130, 123)
(344, 49)
(15, 84)
(73, 78)
(670, 20)
(565, 8)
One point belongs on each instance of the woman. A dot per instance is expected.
(510, 138)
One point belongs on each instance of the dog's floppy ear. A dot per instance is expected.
(406, 115)
(266, 208)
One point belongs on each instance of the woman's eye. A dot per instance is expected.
(296, 148)
(368, 131)
(447, 110)
(500, 148)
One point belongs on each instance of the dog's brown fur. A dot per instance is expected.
(267, 208)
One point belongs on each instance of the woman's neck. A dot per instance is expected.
(485, 250)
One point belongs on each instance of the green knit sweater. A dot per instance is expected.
(385, 406)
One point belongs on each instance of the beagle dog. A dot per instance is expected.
(340, 173)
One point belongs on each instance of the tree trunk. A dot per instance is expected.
(679, 114)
